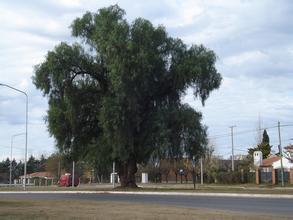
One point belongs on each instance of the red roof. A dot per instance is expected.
(269, 161)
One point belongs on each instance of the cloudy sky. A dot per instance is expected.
(252, 39)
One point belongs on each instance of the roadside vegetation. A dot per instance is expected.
(170, 187)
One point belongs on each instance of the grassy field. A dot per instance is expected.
(162, 187)
(75, 209)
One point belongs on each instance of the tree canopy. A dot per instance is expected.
(116, 95)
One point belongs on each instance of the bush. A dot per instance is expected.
(154, 175)
(229, 177)
(250, 177)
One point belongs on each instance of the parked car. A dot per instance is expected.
(66, 180)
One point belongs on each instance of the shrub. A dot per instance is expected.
(229, 177)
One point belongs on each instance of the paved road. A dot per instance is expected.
(269, 206)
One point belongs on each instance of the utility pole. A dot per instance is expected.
(281, 154)
(59, 167)
(113, 175)
(193, 172)
(232, 127)
(201, 171)
(73, 171)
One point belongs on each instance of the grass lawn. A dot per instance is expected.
(170, 187)
(76, 209)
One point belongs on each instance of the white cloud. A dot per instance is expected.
(186, 13)
(23, 85)
(240, 101)
(250, 57)
(68, 3)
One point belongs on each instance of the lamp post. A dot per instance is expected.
(10, 170)
(26, 119)
(232, 140)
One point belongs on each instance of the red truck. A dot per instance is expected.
(66, 180)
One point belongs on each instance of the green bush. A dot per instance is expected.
(229, 177)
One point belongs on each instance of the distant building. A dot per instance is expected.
(239, 157)
(269, 171)
(269, 161)
(39, 179)
(275, 162)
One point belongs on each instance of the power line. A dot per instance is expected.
(237, 149)
(288, 124)
(18, 148)
(10, 147)
(247, 131)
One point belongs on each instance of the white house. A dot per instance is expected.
(287, 164)
(275, 163)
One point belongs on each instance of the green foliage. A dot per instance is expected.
(33, 165)
(229, 177)
(264, 146)
(36, 165)
(265, 137)
(211, 164)
(117, 96)
(53, 164)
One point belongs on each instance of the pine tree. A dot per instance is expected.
(264, 146)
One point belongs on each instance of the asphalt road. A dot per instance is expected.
(269, 206)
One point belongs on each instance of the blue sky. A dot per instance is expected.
(252, 39)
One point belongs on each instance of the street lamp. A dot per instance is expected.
(26, 119)
(10, 170)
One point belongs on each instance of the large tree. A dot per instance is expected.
(116, 95)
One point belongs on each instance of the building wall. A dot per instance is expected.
(286, 164)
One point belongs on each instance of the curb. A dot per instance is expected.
(243, 195)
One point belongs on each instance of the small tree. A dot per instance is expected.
(14, 165)
(210, 164)
(31, 165)
(165, 167)
(187, 164)
(19, 169)
(264, 146)
(53, 164)
(176, 164)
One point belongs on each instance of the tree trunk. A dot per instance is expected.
(167, 174)
(126, 172)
